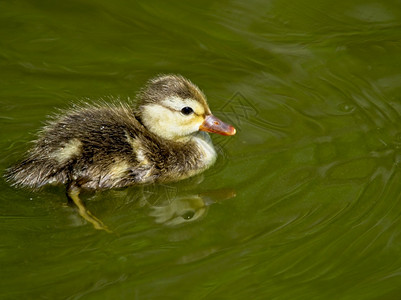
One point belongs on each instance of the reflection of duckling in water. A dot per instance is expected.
(187, 208)
(180, 210)
(113, 145)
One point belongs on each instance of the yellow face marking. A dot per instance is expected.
(70, 149)
(176, 103)
(166, 120)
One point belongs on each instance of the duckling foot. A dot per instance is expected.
(73, 192)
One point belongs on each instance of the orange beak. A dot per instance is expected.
(215, 125)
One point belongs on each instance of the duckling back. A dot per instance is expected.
(81, 138)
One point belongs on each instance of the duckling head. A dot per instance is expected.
(174, 108)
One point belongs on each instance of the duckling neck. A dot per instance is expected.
(204, 143)
(199, 160)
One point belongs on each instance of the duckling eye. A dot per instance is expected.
(187, 110)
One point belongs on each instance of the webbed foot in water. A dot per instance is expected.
(73, 192)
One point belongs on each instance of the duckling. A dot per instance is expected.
(102, 146)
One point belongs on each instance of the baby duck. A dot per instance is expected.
(103, 146)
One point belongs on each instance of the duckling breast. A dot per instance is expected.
(208, 154)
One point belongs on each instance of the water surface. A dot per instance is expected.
(303, 203)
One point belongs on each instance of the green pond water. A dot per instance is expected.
(303, 203)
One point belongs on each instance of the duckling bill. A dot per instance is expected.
(106, 146)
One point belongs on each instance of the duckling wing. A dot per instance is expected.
(97, 147)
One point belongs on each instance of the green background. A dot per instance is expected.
(313, 88)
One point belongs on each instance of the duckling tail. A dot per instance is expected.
(34, 173)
